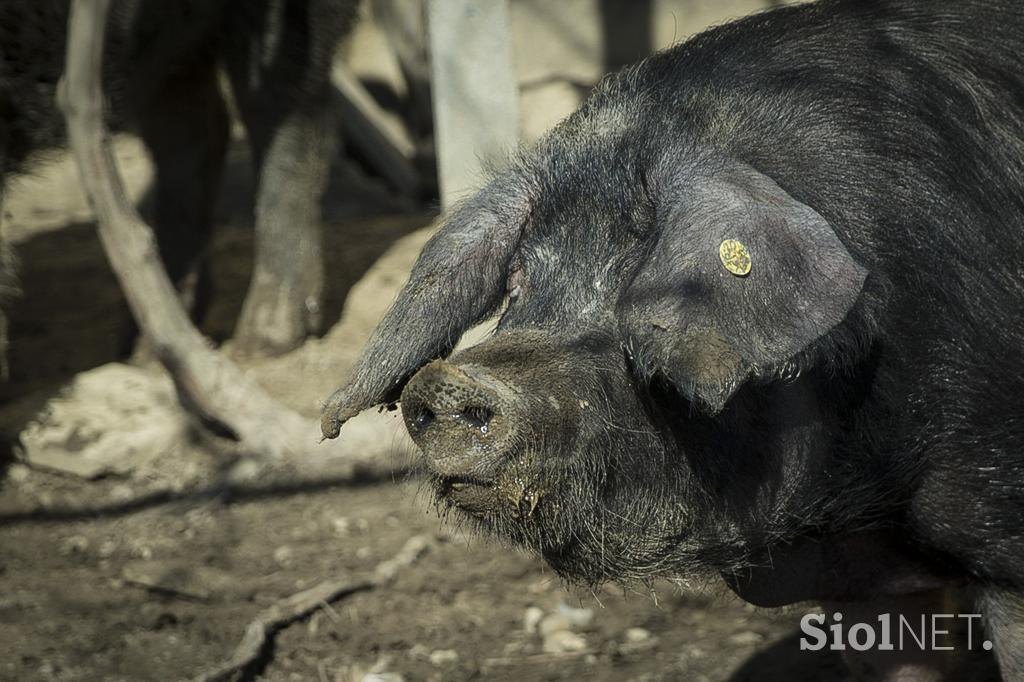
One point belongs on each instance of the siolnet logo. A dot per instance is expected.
(894, 632)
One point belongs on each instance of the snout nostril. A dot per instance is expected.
(476, 416)
(423, 418)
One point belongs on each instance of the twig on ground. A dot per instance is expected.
(288, 610)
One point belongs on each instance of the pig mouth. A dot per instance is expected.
(516, 489)
(473, 496)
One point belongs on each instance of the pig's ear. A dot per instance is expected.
(458, 280)
(742, 279)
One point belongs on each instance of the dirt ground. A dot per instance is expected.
(153, 574)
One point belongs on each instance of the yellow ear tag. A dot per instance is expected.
(735, 257)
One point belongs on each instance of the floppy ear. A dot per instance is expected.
(743, 278)
(458, 280)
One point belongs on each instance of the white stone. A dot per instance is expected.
(444, 656)
(531, 619)
(564, 641)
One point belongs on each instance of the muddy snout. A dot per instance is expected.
(461, 417)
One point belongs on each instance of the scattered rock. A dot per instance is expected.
(245, 470)
(419, 651)
(555, 629)
(635, 635)
(564, 642)
(748, 638)
(341, 526)
(444, 657)
(18, 473)
(578, 618)
(637, 640)
(531, 619)
(284, 556)
(556, 633)
(692, 652)
(552, 623)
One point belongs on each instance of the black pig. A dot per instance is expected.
(765, 294)
(162, 77)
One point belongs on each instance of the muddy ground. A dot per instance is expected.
(153, 573)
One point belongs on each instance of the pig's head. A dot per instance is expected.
(630, 415)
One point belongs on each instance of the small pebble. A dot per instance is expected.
(747, 638)
(17, 473)
(531, 619)
(694, 652)
(563, 641)
(246, 470)
(341, 526)
(122, 492)
(444, 656)
(635, 635)
(578, 618)
(637, 640)
(553, 622)
(284, 555)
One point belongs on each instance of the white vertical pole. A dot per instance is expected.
(476, 112)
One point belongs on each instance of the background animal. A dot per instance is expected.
(163, 80)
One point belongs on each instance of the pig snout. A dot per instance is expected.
(461, 417)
